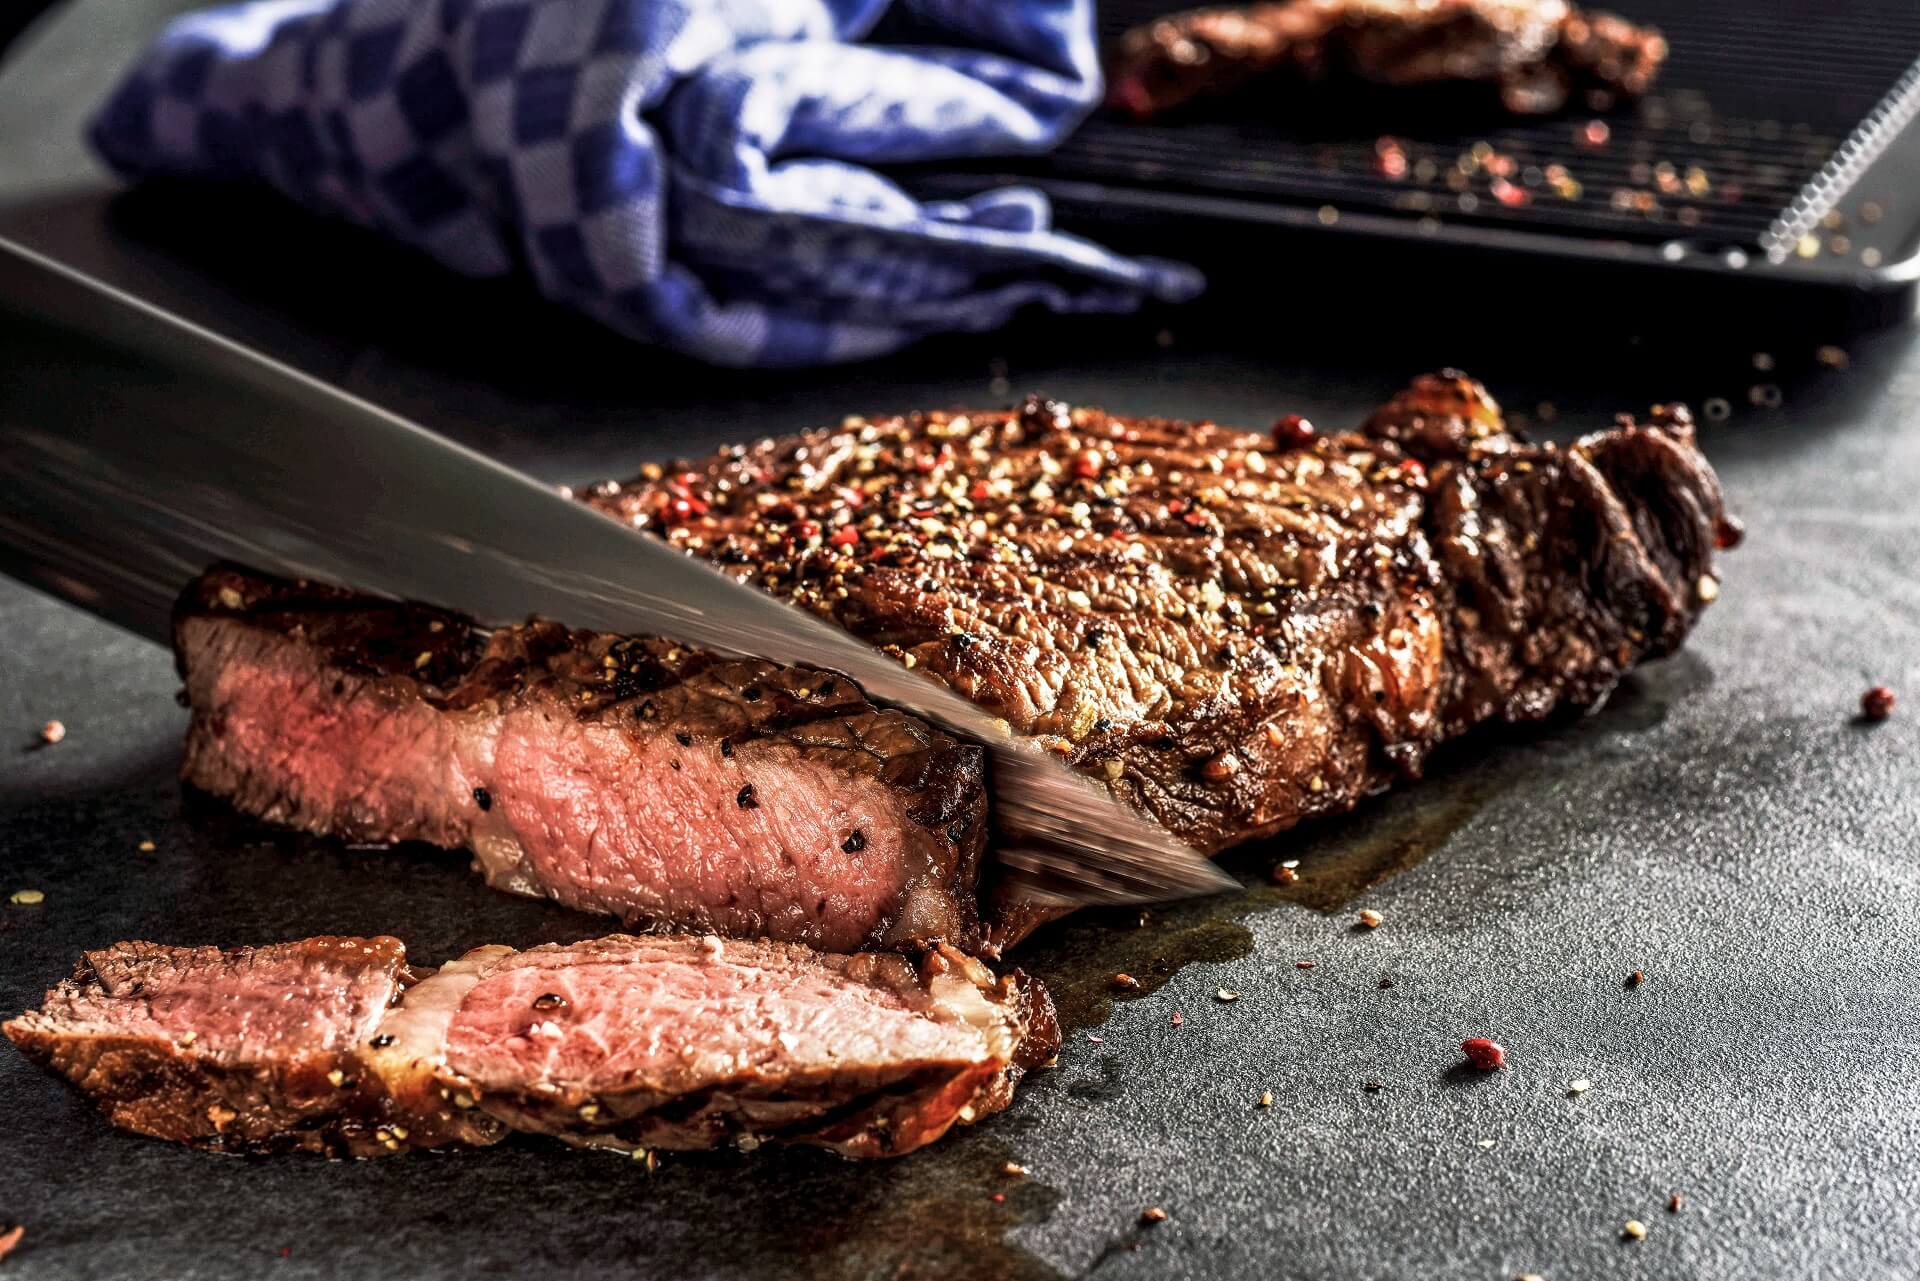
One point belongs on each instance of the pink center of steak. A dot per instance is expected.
(320, 994)
(687, 1013)
(373, 761)
(764, 839)
(759, 838)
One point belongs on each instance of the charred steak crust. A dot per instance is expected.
(331, 1045)
(1231, 633)
(1536, 54)
(618, 774)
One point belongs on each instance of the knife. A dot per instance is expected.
(138, 448)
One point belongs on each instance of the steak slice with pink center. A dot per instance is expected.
(252, 1050)
(670, 1041)
(624, 775)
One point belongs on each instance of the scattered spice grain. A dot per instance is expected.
(1876, 704)
(1484, 1053)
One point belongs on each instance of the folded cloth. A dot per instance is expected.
(696, 173)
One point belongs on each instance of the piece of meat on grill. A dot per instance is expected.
(1230, 633)
(1537, 55)
(334, 1045)
(622, 775)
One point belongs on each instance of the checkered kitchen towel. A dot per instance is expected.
(691, 172)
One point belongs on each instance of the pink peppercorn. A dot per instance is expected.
(1484, 1053)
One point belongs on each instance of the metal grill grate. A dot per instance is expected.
(1758, 99)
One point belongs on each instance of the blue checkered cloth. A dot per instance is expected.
(696, 173)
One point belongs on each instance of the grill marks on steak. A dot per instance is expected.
(623, 775)
(1232, 634)
(1536, 54)
(332, 1045)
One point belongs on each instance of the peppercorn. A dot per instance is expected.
(1291, 431)
(1223, 766)
(1484, 1053)
(1876, 704)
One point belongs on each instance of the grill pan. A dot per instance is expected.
(1780, 144)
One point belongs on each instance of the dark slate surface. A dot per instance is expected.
(1723, 825)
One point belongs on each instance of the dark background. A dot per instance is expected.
(1723, 825)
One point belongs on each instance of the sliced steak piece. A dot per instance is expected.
(616, 774)
(260, 1049)
(1537, 55)
(679, 1042)
(1232, 632)
(669, 1041)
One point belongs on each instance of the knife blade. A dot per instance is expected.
(138, 448)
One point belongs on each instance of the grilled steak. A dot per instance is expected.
(334, 1045)
(621, 775)
(1536, 54)
(1231, 632)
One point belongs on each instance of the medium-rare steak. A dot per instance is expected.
(1232, 632)
(670, 1041)
(616, 774)
(1536, 54)
(260, 1048)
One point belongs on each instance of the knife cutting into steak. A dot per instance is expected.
(1227, 632)
(337, 1046)
(206, 451)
